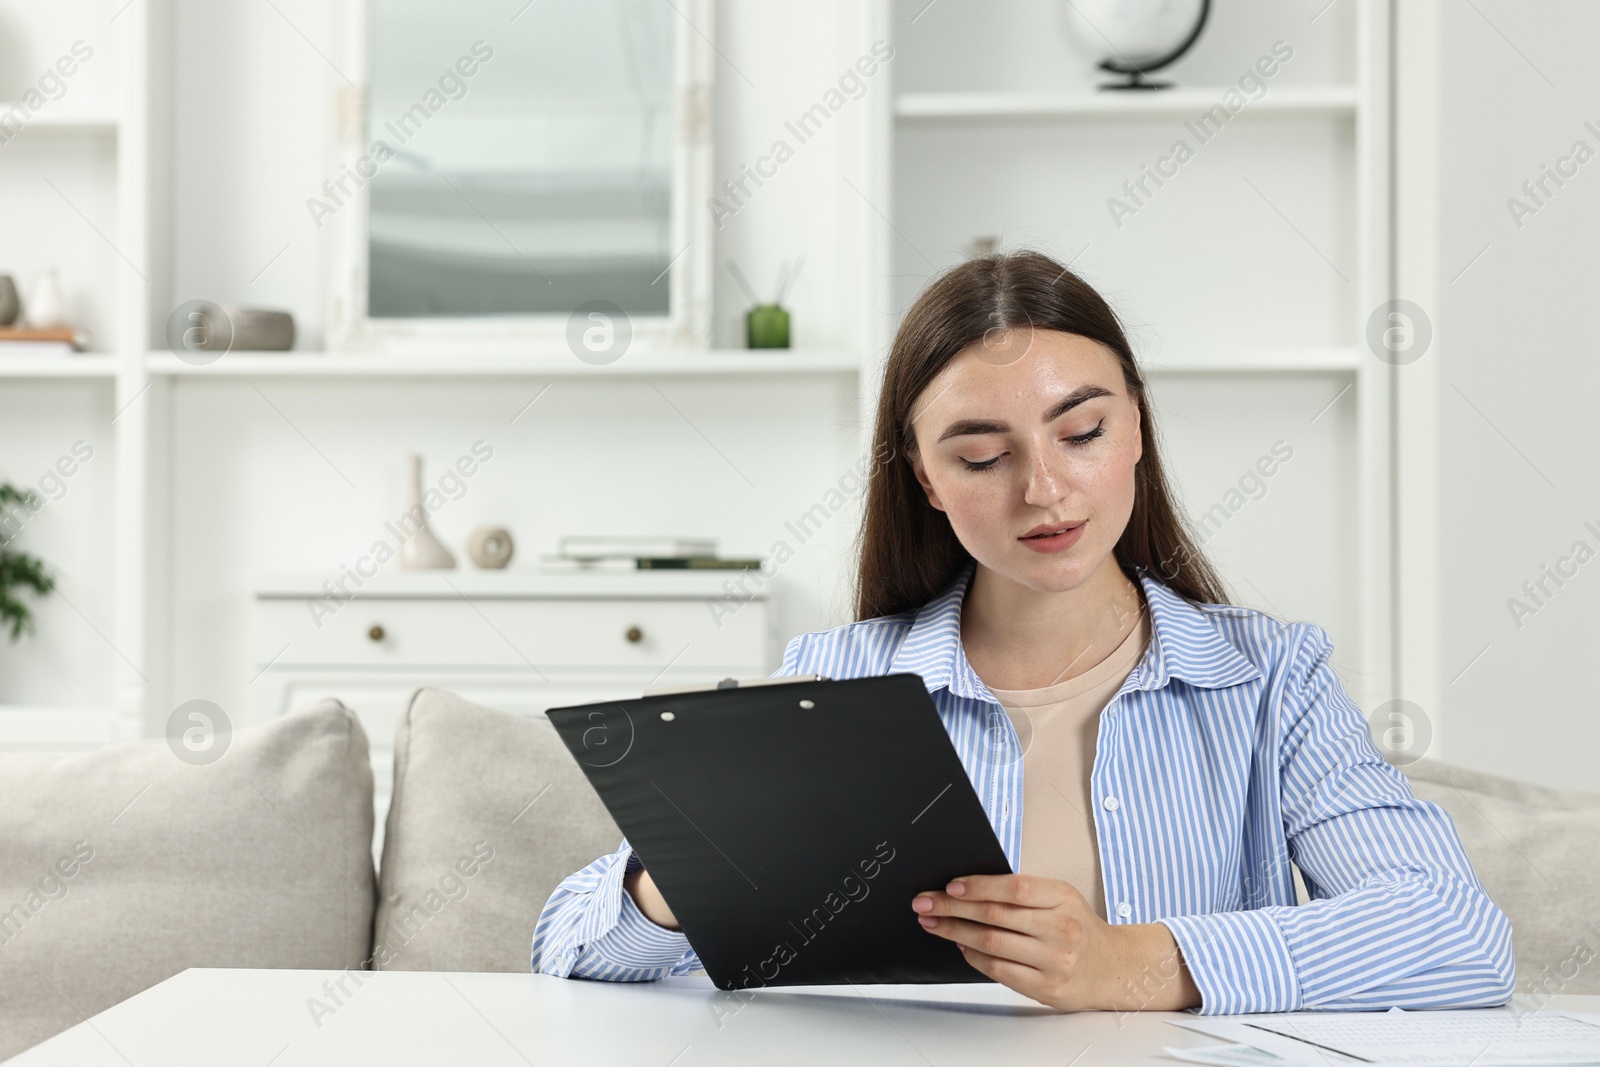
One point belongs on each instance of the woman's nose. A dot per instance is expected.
(1045, 483)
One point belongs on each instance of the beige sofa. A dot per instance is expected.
(123, 866)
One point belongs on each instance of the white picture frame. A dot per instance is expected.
(685, 327)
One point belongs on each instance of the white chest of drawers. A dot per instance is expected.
(519, 643)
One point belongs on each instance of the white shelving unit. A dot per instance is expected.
(954, 107)
(1349, 111)
(135, 385)
(139, 384)
(111, 131)
(105, 122)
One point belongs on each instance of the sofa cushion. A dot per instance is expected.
(490, 813)
(125, 865)
(1537, 852)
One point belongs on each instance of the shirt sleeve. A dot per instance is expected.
(1397, 916)
(592, 928)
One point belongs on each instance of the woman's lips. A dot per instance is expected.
(1058, 540)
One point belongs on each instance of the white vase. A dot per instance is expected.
(46, 307)
(421, 551)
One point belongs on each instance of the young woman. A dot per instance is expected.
(1152, 759)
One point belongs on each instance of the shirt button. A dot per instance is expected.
(1111, 803)
(1005, 809)
(1124, 910)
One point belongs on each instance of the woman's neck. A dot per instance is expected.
(1018, 638)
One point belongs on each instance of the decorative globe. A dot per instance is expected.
(1124, 34)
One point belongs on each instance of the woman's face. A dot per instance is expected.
(1028, 441)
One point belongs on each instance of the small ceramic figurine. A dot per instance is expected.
(490, 547)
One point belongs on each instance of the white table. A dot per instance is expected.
(257, 1018)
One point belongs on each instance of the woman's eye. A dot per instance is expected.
(985, 465)
(1085, 438)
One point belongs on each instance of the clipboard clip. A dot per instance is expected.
(735, 683)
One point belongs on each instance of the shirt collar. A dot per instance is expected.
(1184, 644)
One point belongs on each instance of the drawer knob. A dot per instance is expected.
(376, 633)
(634, 635)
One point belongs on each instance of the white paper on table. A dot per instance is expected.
(1482, 1037)
(1292, 1053)
(1225, 1056)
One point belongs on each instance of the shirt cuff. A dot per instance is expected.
(618, 937)
(1239, 960)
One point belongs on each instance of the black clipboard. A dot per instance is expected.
(789, 825)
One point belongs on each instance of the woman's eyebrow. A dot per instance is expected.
(1064, 405)
(1073, 399)
(972, 426)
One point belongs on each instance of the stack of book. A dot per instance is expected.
(18, 341)
(642, 554)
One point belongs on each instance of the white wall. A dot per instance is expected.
(1288, 544)
(1518, 380)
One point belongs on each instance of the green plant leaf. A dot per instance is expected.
(20, 571)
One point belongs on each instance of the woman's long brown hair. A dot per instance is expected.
(907, 550)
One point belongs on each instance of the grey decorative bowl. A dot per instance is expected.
(245, 329)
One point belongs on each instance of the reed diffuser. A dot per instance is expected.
(767, 325)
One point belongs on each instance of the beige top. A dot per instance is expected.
(1058, 726)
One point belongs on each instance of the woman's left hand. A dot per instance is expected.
(1040, 937)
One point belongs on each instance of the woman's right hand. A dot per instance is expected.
(643, 889)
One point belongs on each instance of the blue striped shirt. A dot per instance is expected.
(1230, 752)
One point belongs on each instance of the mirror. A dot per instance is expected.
(519, 160)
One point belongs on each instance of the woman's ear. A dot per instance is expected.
(922, 478)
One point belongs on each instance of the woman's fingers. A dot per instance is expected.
(989, 912)
(996, 941)
(1029, 981)
(1023, 890)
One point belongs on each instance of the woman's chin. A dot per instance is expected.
(1052, 573)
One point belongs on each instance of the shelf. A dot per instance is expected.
(82, 366)
(1183, 103)
(528, 583)
(550, 364)
(47, 120)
